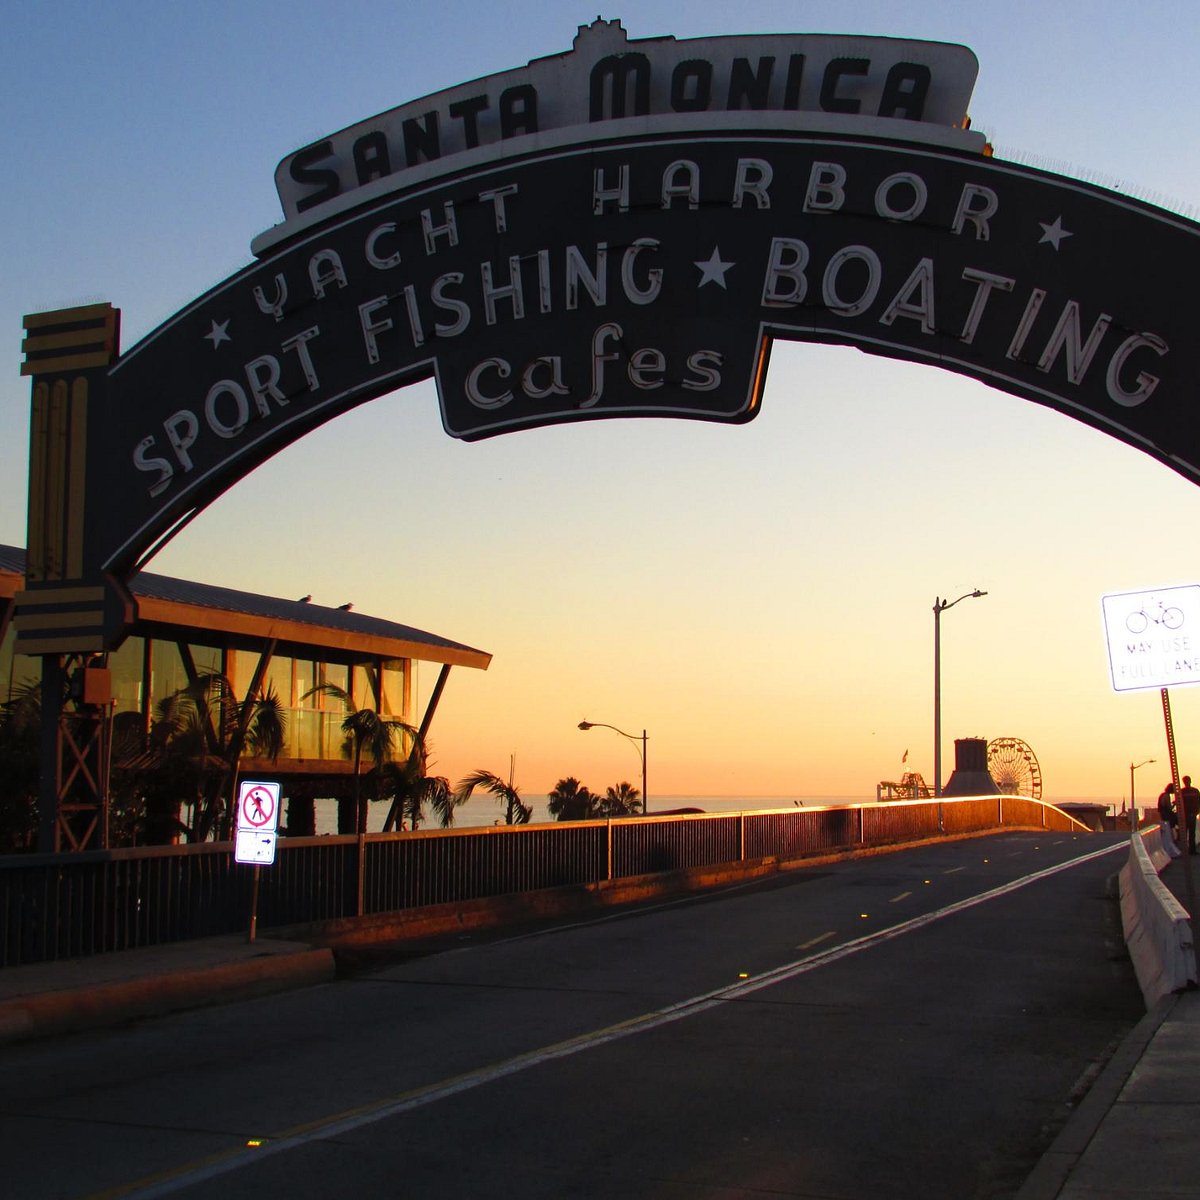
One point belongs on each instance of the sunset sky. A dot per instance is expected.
(757, 598)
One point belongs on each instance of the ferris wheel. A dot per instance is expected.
(1014, 767)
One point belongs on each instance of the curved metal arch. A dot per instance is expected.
(581, 301)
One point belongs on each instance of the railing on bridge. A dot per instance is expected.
(70, 905)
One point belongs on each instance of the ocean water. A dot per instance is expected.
(482, 809)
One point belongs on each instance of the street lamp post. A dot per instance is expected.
(939, 607)
(1133, 822)
(634, 739)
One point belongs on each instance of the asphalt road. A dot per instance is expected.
(915, 1024)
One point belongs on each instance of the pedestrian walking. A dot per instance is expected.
(1189, 801)
(1166, 807)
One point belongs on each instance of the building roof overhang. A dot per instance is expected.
(180, 608)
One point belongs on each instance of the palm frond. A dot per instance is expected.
(481, 779)
(442, 799)
(266, 733)
(516, 812)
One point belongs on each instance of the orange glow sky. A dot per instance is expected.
(758, 598)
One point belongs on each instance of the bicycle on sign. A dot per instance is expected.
(1165, 615)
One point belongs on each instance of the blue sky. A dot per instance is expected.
(758, 598)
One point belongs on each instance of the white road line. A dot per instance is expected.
(824, 937)
(902, 896)
(332, 1127)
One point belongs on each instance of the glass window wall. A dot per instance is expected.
(393, 691)
(145, 674)
(128, 666)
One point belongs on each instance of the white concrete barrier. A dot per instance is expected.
(1160, 845)
(1158, 931)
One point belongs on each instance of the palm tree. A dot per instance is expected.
(410, 788)
(20, 767)
(516, 811)
(196, 741)
(130, 780)
(624, 800)
(366, 731)
(571, 801)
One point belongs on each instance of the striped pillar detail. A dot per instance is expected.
(59, 620)
(57, 478)
(61, 349)
(71, 339)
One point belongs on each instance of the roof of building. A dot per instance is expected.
(167, 603)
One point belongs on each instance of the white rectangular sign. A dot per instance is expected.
(257, 822)
(1153, 637)
(251, 846)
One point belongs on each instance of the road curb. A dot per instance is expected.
(75, 1009)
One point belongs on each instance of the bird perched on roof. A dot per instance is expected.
(305, 599)
(345, 607)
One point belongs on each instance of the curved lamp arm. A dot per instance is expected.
(634, 739)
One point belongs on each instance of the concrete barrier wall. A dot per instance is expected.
(1158, 930)
(1160, 845)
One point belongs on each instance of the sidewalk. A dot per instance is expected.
(1133, 1135)
(107, 989)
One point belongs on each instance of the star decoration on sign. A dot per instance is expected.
(1054, 232)
(218, 334)
(712, 269)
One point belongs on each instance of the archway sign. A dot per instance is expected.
(621, 230)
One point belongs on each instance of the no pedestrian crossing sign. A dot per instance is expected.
(257, 822)
(1153, 637)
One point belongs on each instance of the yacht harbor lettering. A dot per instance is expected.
(751, 243)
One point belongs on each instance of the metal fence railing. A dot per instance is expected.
(70, 905)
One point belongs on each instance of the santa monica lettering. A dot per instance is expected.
(620, 86)
(608, 77)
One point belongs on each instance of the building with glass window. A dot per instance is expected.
(183, 631)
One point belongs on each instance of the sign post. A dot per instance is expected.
(257, 830)
(1154, 642)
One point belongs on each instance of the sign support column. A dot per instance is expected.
(257, 829)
